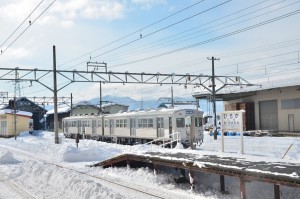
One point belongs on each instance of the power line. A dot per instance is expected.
(21, 23)
(2, 51)
(222, 24)
(221, 18)
(137, 31)
(135, 40)
(213, 39)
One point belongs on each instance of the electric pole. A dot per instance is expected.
(214, 95)
(55, 98)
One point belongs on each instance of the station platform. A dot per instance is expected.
(277, 173)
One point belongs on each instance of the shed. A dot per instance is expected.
(112, 108)
(85, 108)
(7, 122)
(62, 112)
(38, 112)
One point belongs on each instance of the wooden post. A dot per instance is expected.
(192, 179)
(276, 191)
(154, 170)
(222, 183)
(128, 164)
(242, 189)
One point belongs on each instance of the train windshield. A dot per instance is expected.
(179, 122)
(188, 121)
(198, 121)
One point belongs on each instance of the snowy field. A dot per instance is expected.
(34, 167)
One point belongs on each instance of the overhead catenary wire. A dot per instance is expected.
(130, 34)
(229, 25)
(32, 22)
(135, 40)
(175, 41)
(213, 39)
(22, 23)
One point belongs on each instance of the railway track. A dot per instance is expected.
(122, 187)
(14, 189)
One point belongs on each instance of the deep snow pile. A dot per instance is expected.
(25, 161)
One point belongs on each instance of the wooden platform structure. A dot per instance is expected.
(277, 173)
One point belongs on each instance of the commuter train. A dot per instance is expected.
(138, 126)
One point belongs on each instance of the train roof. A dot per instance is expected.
(140, 112)
(151, 112)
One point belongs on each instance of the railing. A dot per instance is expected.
(166, 140)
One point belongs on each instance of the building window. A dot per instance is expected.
(290, 103)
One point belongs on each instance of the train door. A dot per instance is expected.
(160, 126)
(94, 126)
(170, 125)
(65, 126)
(111, 126)
(79, 126)
(132, 127)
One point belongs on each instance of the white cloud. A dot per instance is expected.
(148, 4)
(89, 9)
(62, 12)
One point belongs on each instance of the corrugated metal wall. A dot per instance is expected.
(268, 115)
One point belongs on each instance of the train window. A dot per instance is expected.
(106, 123)
(145, 123)
(150, 122)
(86, 123)
(188, 121)
(121, 123)
(179, 122)
(99, 123)
(198, 121)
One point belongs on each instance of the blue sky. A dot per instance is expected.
(79, 29)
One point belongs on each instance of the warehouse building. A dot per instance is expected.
(274, 109)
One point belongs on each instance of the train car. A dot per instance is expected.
(138, 126)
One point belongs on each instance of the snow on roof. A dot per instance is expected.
(112, 104)
(149, 112)
(84, 103)
(10, 111)
(64, 109)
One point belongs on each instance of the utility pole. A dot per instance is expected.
(56, 141)
(172, 97)
(14, 104)
(71, 105)
(214, 95)
(100, 97)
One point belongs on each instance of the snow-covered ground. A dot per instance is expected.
(34, 167)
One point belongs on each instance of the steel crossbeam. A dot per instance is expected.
(70, 76)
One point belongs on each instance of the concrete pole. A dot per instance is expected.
(100, 97)
(192, 132)
(56, 141)
(15, 118)
(214, 95)
(71, 112)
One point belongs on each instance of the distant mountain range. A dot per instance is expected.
(151, 104)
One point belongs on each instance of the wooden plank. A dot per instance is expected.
(276, 191)
(242, 189)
